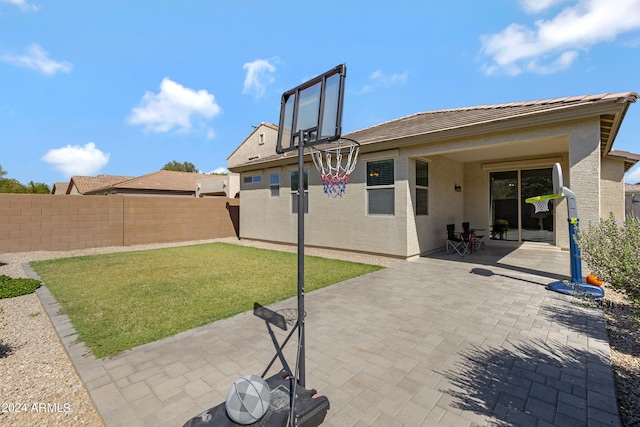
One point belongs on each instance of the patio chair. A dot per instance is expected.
(455, 243)
(468, 236)
(475, 239)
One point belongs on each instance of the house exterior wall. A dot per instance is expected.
(334, 223)
(584, 166)
(612, 189)
(31, 222)
(632, 205)
(426, 233)
(475, 189)
(255, 146)
(343, 223)
(229, 185)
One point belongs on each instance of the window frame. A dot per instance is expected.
(252, 179)
(421, 188)
(274, 187)
(294, 192)
(372, 187)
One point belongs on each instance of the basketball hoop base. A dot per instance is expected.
(576, 289)
(310, 409)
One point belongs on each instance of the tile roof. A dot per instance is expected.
(163, 180)
(88, 183)
(456, 118)
(610, 107)
(60, 187)
(630, 159)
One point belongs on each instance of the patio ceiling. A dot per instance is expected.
(534, 148)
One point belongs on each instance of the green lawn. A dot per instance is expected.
(119, 301)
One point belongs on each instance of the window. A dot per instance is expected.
(252, 179)
(294, 192)
(274, 184)
(422, 188)
(380, 187)
(294, 181)
(261, 139)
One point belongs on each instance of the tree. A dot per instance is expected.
(38, 188)
(180, 167)
(10, 185)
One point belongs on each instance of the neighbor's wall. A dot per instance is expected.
(31, 222)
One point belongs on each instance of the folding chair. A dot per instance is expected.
(472, 236)
(469, 236)
(455, 243)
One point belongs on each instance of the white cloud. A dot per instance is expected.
(536, 6)
(220, 170)
(557, 41)
(38, 59)
(379, 79)
(259, 76)
(174, 106)
(389, 80)
(22, 4)
(77, 160)
(633, 176)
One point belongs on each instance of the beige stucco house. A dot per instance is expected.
(419, 173)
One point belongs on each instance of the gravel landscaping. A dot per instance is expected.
(41, 387)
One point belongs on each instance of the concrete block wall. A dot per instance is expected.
(31, 222)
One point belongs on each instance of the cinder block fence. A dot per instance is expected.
(32, 222)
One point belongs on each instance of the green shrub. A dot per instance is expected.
(11, 287)
(611, 250)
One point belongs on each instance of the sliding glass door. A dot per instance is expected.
(511, 217)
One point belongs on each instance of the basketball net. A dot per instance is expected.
(541, 206)
(335, 162)
(541, 203)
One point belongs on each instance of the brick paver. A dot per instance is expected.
(440, 340)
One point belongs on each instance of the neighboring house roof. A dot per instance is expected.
(469, 121)
(632, 188)
(59, 188)
(85, 184)
(160, 182)
(629, 159)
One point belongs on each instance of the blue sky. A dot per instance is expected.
(123, 87)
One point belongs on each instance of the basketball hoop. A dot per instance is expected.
(541, 203)
(541, 206)
(335, 162)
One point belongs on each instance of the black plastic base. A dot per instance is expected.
(309, 411)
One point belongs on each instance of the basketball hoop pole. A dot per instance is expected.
(301, 205)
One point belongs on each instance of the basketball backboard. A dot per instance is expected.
(313, 109)
(557, 179)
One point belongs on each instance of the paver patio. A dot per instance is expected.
(442, 340)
